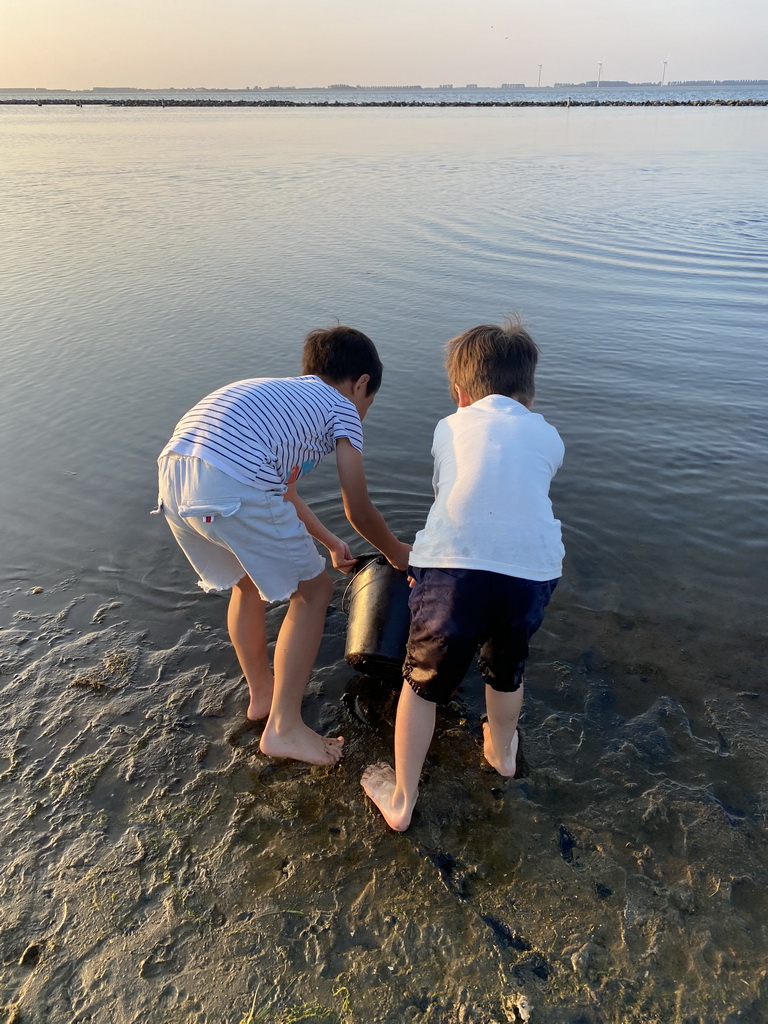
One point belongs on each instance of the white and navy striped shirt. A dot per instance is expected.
(267, 431)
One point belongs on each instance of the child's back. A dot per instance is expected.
(267, 431)
(494, 461)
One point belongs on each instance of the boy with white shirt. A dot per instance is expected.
(487, 562)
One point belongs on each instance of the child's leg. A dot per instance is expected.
(500, 731)
(447, 610)
(395, 792)
(518, 607)
(285, 734)
(245, 621)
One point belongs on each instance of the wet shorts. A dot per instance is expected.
(458, 612)
(228, 529)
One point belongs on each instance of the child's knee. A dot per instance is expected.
(317, 591)
(245, 586)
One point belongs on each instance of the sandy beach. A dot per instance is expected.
(161, 869)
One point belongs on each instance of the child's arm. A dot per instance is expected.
(341, 556)
(360, 510)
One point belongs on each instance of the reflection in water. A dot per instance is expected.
(152, 258)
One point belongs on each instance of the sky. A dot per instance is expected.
(81, 44)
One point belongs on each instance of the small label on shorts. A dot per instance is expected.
(208, 510)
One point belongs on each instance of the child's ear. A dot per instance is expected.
(362, 383)
(462, 398)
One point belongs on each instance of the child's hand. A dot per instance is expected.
(341, 556)
(399, 557)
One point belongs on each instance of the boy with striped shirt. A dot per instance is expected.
(228, 490)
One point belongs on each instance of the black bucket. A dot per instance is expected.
(378, 618)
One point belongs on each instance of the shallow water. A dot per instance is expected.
(155, 866)
(745, 92)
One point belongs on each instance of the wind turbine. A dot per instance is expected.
(663, 72)
(538, 84)
(599, 71)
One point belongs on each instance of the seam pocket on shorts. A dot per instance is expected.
(208, 510)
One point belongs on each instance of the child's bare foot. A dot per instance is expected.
(301, 744)
(506, 762)
(261, 700)
(378, 781)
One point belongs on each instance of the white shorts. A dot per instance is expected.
(228, 529)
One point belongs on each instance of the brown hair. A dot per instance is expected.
(493, 360)
(341, 353)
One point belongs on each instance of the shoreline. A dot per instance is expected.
(174, 102)
(151, 849)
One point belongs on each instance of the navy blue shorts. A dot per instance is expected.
(458, 612)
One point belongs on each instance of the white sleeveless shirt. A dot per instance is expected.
(494, 462)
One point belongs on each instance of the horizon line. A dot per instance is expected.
(508, 86)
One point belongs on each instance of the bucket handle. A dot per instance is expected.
(366, 561)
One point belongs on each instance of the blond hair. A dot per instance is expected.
(493, 360)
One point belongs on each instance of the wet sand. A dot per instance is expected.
(157, 868)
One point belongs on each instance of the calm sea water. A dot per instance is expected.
(150, 256)
(457, 94)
